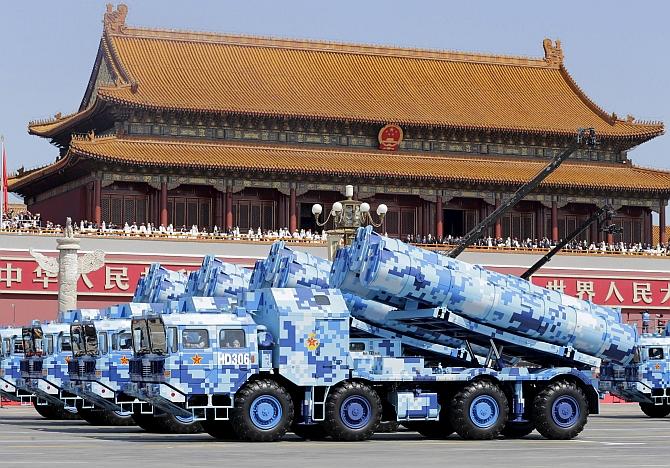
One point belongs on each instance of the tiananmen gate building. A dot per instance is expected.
(214, 129)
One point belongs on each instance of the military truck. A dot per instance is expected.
(645, 381)
(482, 354)
(43, 369)
(11, 354)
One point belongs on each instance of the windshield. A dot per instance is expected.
(140, 336)
(32, 340)
(78, 347)
(157, 335)
(149, 336)
(91, 340)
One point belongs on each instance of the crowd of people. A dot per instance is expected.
(20, 219)
(513, 243)
(25, 221)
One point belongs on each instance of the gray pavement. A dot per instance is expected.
(620, 437)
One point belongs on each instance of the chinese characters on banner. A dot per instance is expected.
(112, 279)
(622, 292)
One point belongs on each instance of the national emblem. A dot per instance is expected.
(196, 359)
(124, 360)
(390, 137)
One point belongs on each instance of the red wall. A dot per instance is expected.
(59, 207)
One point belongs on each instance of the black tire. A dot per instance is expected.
(353, 412)
(655, 411)
(560, 411)
(46, 411)
(68, 413)
(164, 423)
(431, 429)
(517, 430)
(387, 427)
(479, 411)
(145, 421)
(263, 411)
(220, 429)
(97, 417)
(54, 412)
(310, 431)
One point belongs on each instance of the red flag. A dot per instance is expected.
(5, 193)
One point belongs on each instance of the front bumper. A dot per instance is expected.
(159, 395)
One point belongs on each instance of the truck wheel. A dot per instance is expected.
(353, 411)
(68, 413)
(479, 411)
(516, 430)
(164, 423)
(263, 411)
(46, 411)
(145, 421)
(655, 411)
(220, 429)
(310, 431)
(560, 411)
(97, 417)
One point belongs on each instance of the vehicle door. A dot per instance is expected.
(236, 358)
(196, 358)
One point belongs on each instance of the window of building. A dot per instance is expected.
(232, 339)
(120, 209)
(195, 338)
(189, 211)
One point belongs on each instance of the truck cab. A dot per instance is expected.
(187, 363)
(99, 366)
(11, 354)
(645, 381)
(44, 367)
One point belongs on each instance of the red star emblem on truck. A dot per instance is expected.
(196, 359)
(312, 342)
(124, 360)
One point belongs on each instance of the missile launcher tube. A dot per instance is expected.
(287, 268)
(403, 271)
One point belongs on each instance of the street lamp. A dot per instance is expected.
(347, 215)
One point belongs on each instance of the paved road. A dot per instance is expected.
(620, 437)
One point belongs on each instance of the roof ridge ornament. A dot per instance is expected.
(115, 21)
(553, 53)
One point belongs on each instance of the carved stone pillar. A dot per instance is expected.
(439, 222)
(164, 203)
(97, 195)
(554, 221)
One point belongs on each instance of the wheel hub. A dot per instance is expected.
(355, 412)
(266, 412)
(565, 411)
(484, 411)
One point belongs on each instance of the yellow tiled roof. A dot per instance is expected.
(275, 77)
(372, 164)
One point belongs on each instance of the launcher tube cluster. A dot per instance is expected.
(394, 269)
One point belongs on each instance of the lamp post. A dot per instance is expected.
(347, 215)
